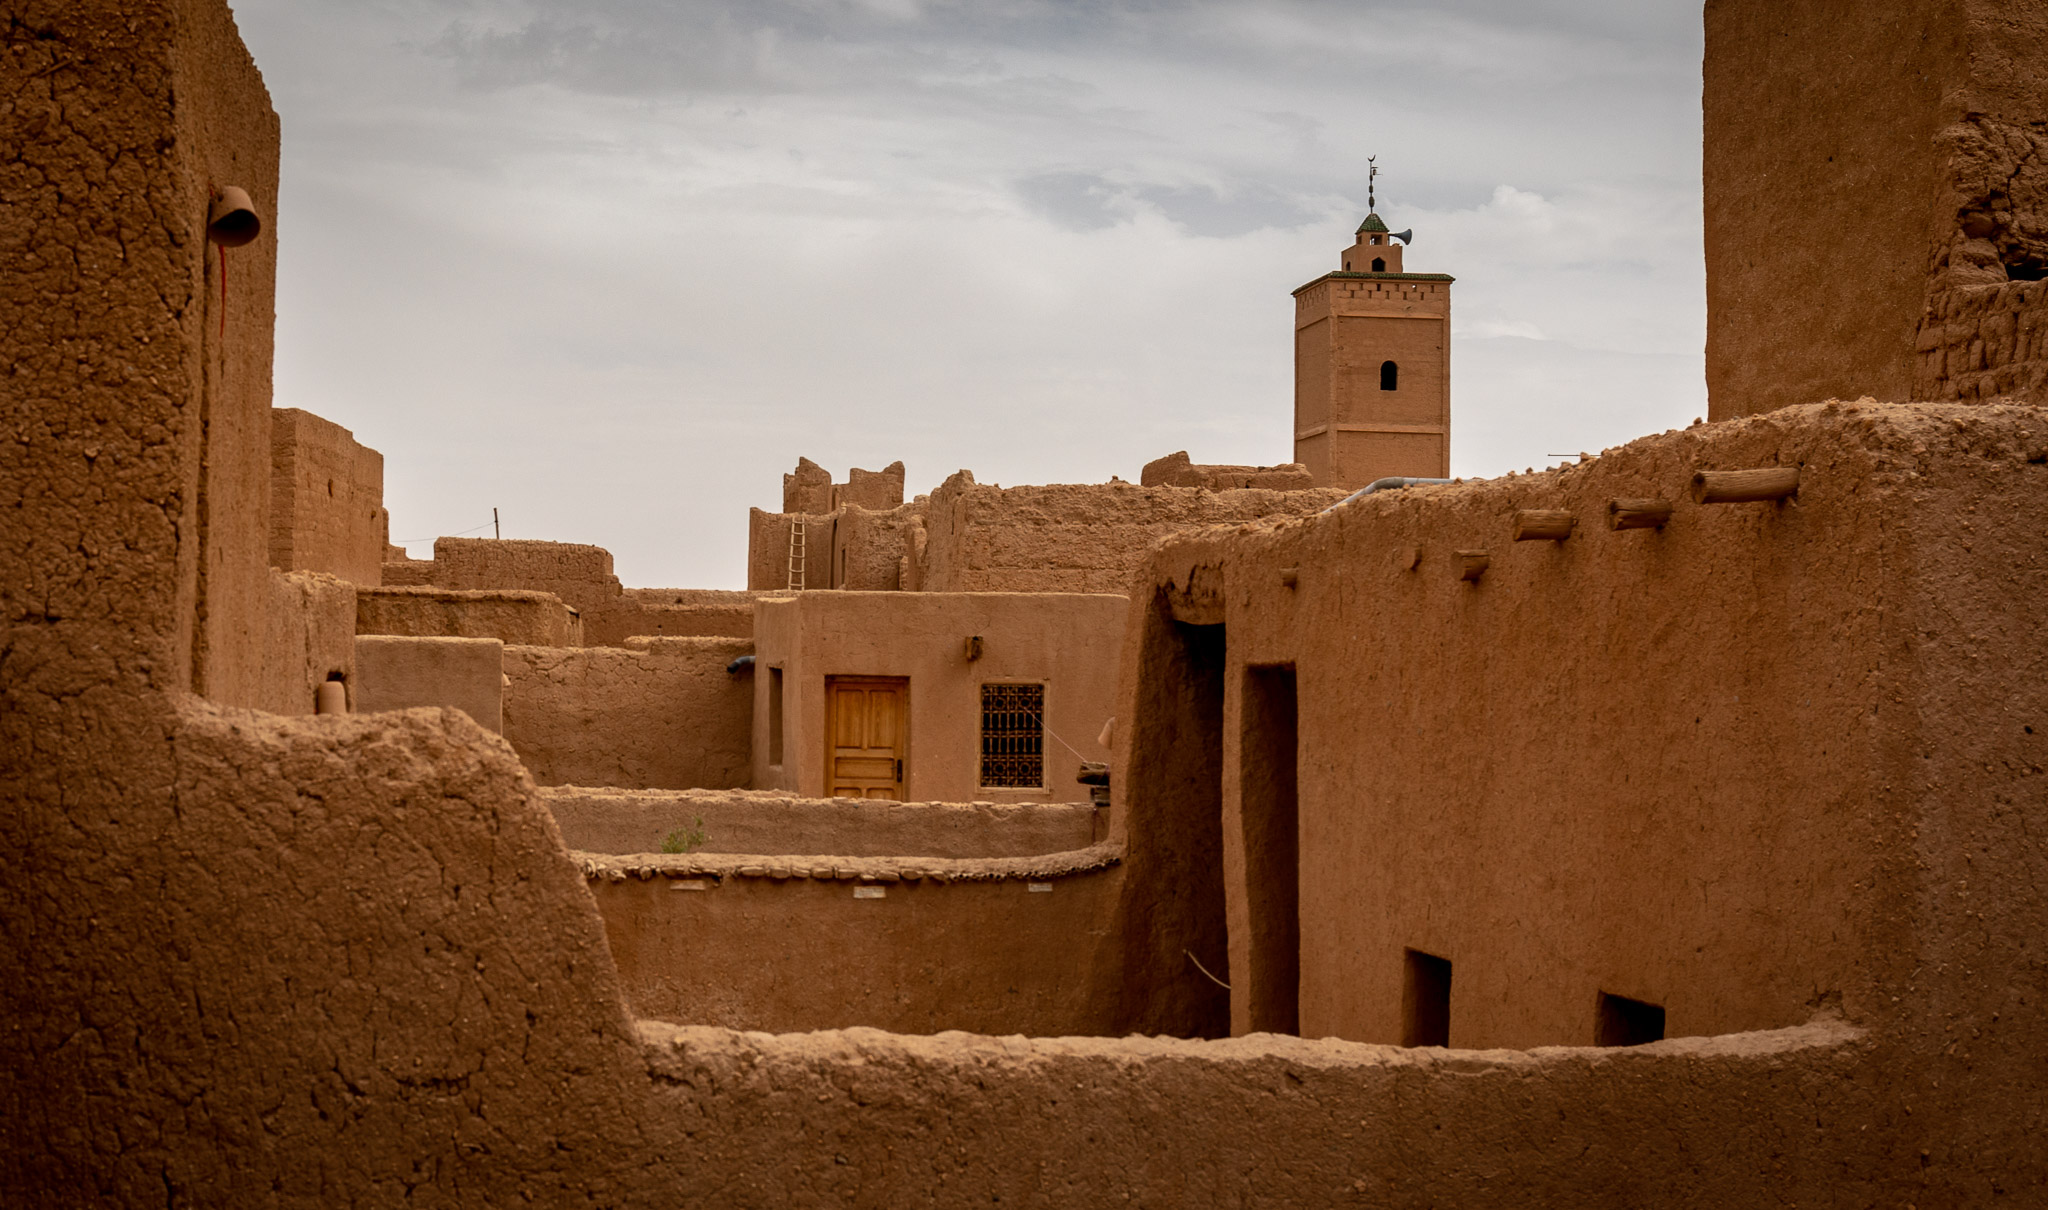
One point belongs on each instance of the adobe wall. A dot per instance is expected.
(309, 636)
(578, 573)
(1067, 641)
(404, 672)
(1875, 194)
(663, 715)
(326, 499)
(407, 572)
(345, 960)
(1177, 470)
(1739, 767)
(851, 547)
(912, 945)
(810, 489)
(766, 821)
(1087, 538)
(512, 616)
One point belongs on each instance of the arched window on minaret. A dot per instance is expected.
(1379, 265)
(1390, 376)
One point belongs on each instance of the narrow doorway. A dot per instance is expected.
(1176, 935)
(1425, 1000)
(1269, 810)
(864, 736)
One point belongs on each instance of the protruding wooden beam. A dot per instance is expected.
(1738, 487)
(1543, 524)
(1637, 513)
(1472, 564)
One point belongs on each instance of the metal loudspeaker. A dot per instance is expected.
(1406, 237)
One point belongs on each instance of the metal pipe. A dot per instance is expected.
(1381, 485)
(745, 661)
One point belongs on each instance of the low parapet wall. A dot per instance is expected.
(512, 616)
(912, 945)
(1740, 1120)
(595, 820)
(664, 714)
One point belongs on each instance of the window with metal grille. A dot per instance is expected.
(1013, 735)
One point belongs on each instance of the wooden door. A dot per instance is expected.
(864, 733)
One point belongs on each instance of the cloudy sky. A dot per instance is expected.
(610, 266)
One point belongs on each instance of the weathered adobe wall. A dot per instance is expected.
(1089, 538)
(239, 971)
(323, 961)
(510, 615)
(326, 499)
(810, 489)
(763, 821)
(850, 547)
(310, 636)
(407, 573)
(666, 715)
(1875, 191)
(1067, 641)
(1745, 767)
(404, 672)
(914, 945)
(1176, 470)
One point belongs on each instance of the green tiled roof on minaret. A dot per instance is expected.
(1372, 223)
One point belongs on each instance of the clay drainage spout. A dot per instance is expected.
(1381, 485)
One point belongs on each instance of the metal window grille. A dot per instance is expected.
(1013, 735)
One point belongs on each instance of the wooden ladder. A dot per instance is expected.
(796, 554)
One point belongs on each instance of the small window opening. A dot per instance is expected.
(1626, 1022)
(775, 716)
(1390, 376)
(1426, 1000)
(1013, 735)
(1379, 265)
(1375, 239)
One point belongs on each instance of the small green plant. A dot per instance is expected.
(685, 839)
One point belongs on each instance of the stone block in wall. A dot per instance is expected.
(663, 714)
(537, 619)
(326, 499)
(399, 672)
(309, 638)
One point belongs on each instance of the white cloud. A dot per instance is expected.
(613, 266)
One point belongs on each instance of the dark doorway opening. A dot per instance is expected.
(1270, 813)
(1626, 1022)
(1425, 1000)
(1175, 935)
(1390, 376)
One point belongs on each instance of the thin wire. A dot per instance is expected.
(1047, 727)
(1205, 970)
